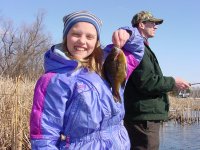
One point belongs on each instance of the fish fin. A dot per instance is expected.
(116, 57)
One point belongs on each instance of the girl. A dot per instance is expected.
(73, 106)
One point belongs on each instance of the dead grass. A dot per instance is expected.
(15, 105)
(185, 110)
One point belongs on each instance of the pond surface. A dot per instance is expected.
(177, 137)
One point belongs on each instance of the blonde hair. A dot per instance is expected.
(93, 62)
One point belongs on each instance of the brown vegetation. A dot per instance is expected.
(15, 104)
(185, 110)
(21, 58)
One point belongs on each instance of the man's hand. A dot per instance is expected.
(181, 84)
(120, 37)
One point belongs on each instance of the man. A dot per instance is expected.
(146, 100)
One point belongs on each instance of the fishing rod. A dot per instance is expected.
(194, 83)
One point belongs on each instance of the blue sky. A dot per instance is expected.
(175, 43)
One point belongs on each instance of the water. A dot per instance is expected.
(177, 137)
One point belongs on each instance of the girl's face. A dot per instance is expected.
(81, 40)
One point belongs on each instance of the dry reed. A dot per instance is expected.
(184, 110)
(15, 104)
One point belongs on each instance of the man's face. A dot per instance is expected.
(148, 29)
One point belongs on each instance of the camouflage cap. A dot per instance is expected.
(144, 16)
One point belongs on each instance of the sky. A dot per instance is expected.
(175, 43)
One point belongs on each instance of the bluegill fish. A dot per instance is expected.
(114, 70)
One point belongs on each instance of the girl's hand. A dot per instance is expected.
(120, 37)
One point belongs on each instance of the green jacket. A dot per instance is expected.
(146, 90)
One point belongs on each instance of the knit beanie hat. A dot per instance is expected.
(80, 16)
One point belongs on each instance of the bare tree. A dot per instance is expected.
(22, 49)
(7, 37)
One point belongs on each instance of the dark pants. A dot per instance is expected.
(144, 135)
